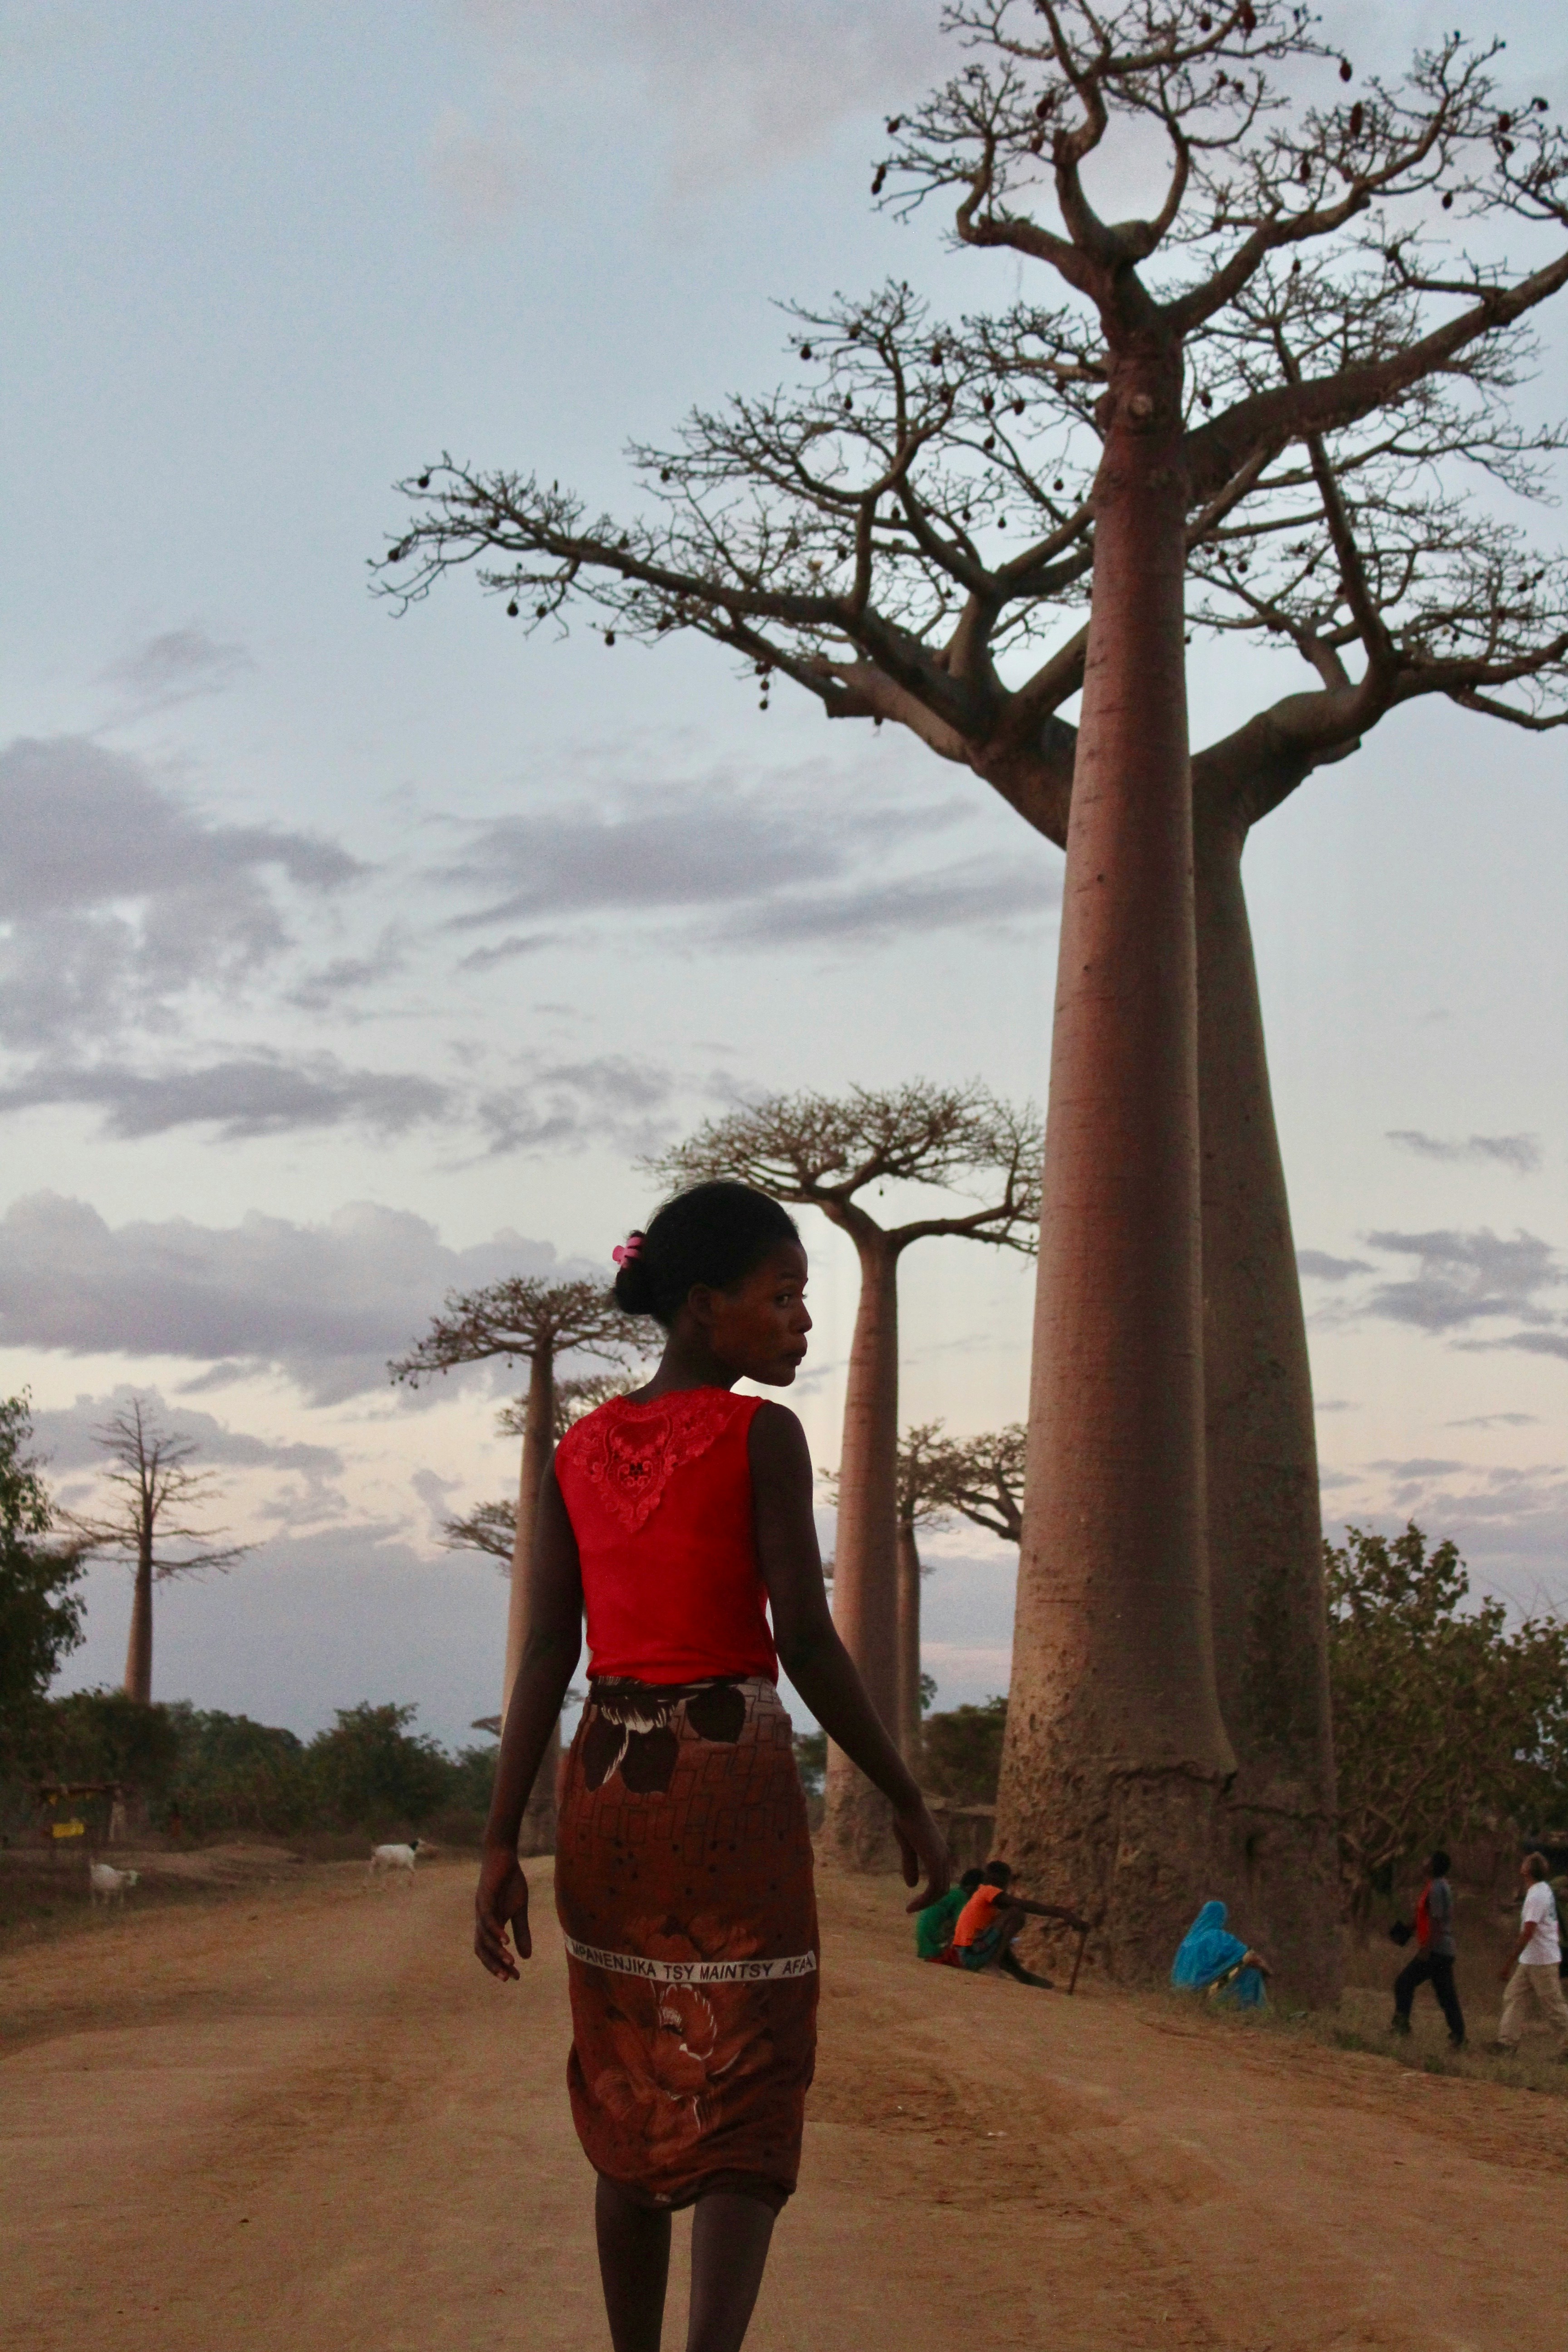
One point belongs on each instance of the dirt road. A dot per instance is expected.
(306, 2122)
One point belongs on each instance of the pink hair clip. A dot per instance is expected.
(624, 1252)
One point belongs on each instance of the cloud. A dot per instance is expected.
(978, 890)
(65, 1433)
(325, 1304)
(1522, 1343)
(478, 174)
(612, 1098)
(786, 866)
(175, 667)
(742, 87)
(1335, 1404)
(1520, 1152)
(1463, 1277)
(1319, 1267)
(119, 896)
(1496, 1420)
(707, 845)
(254, 1094)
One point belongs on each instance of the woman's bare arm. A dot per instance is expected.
(549, 1661)
(810, 1650)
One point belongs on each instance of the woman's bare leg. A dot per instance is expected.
(634, 2267)
(730, 2237)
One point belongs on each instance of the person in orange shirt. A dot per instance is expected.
(989, 1922)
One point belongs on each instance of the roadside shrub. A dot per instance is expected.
(370, 1770)
(962, 1752)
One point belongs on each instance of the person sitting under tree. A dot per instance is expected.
(935, 1924)
(1434, 1962)
(990, 1922)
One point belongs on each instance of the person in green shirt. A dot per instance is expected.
(935, 1924)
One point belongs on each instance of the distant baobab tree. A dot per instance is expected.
(155, 1490)
(829, 1152)
(525, 1319)
(981, 1479)
(921, 1473)
(493, 1527)
(1277, 388)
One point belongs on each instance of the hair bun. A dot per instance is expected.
(633, 1288)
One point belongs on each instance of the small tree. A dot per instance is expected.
(156, 1490)
(493, 1527)
(981, 1479)
(827, 1153)
(40, 1608)
(369, 1770)
(964, 1752)
(524, 1320)
(1446, 1719)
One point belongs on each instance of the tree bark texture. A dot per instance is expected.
(1116, 1755)
(1277, 1863)
(139, 1649)
(909, 1641)
(857, 1825)
(537, 1835)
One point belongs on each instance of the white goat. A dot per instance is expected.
(395, 1857)
(108, 1884)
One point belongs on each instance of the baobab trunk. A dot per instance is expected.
(1279, 1863)
(1116, 1755)
(139, 1649)
(537, 1835)
(858, 1828)
(909, 1641)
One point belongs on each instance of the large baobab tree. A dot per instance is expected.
(525, 1319)
(912, 537)
(154, 1492)
(828, 1153)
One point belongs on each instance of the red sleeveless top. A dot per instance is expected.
(660, 1497)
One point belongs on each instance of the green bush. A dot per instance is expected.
(232, 1775)
(962, 1752)
(40, 1608)
(371, 1771)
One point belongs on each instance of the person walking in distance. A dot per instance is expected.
(1434, 1960)
(676, 1519)
(1533, 1973)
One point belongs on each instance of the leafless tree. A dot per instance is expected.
(493, 1527)
(828, 1152)
(981, 1479)
(155, 1491)
(525, 1319)
(1275, 384)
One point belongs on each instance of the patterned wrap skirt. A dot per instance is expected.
(683, 1883)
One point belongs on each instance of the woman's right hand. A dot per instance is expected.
(500, 1901)
(923, 1849)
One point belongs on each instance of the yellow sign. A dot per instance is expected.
(68, 1829)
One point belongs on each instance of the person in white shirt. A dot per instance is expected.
(1532, 1974)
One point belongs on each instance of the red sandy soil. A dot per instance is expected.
(303, 2120)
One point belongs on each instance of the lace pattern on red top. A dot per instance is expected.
(630, 1452)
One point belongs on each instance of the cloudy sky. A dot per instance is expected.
(346, 958)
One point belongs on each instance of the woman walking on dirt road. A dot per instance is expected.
(674, 1518)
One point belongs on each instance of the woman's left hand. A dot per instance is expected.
(500, 1901)
(923, 1848)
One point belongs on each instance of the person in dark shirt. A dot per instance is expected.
(1434, 1962)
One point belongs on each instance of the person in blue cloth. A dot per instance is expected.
(1210, 1959)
